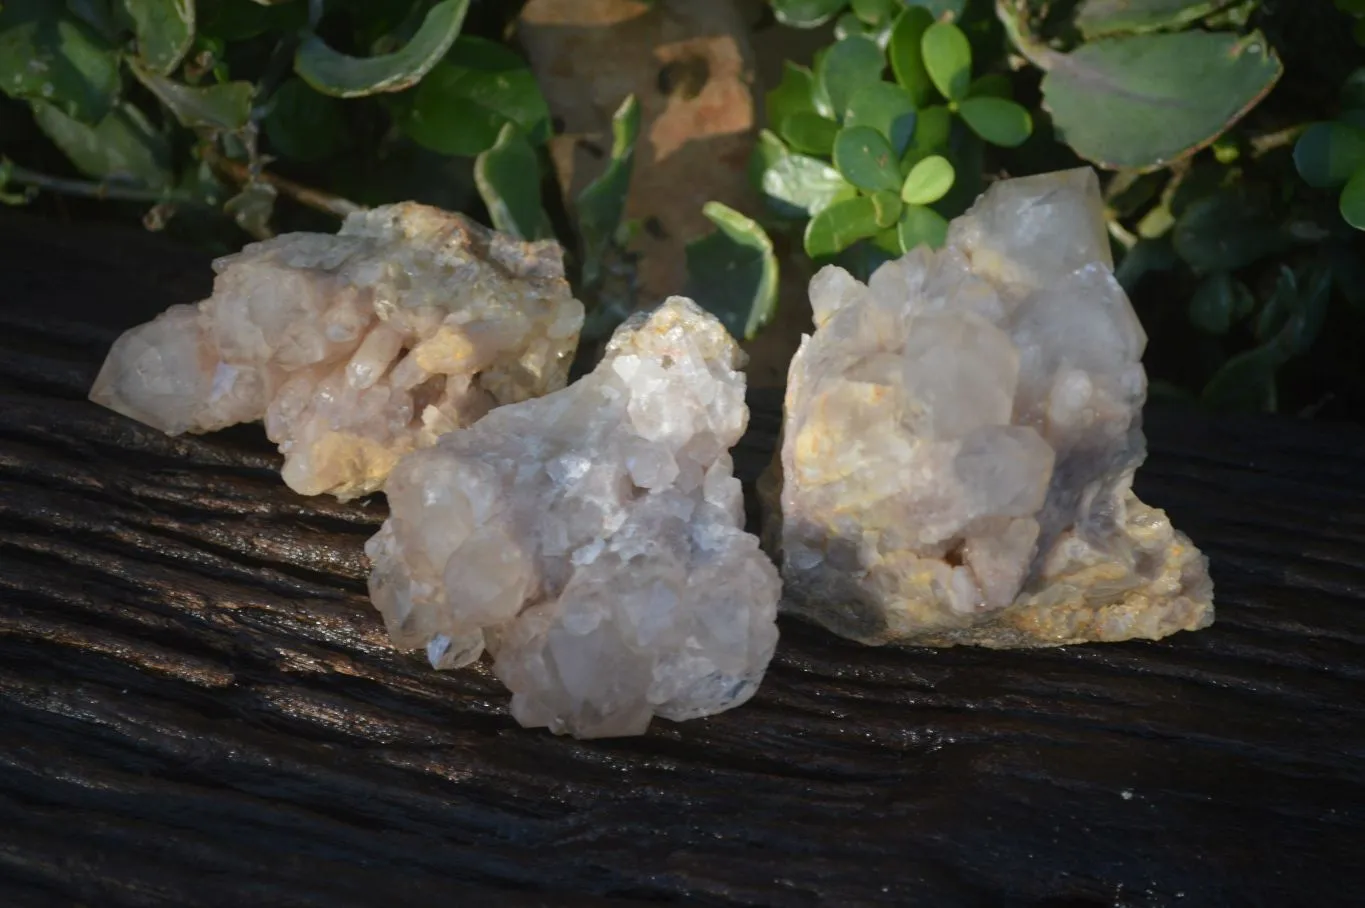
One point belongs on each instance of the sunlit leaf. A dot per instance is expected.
(839, 226)
(887, 108)
(928, 181)
(602, 203)
(806, 13)
(732, 272)
(805, 186)
(866, 160)
(508, 178)
(920, 226)
(948, 59)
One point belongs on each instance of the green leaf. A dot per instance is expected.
(1246, 381)
(996, 120)
(1274, 315)
(1097, 18)
(886, 208)
(165, 31)
(1127, 102)
(847, 67)
(508, 178)
(948, 59)
(302, 124)
(45, 55)
(1353, 90)
(806, 13)
(907, 54)
(1227, 230)
(1147, 256)
(225, 106)
(1327, 154)
(928, 181)
(887, 108)
(732, 272)
(467, 98)
(602, 203)
(865, 159)
(933, 128)
(121, 148)
(794, 94)
(849, 25)
(1353, 200)
(768, 150)
(804, 186)
(991, 85)
(1220, 302)
(840, 226)
(876, 12)
(337, 74)
(920, 226)
(942, 10)
(809, 132)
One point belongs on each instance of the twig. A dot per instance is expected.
(92, 190)
(313, 198)
(1270, 141)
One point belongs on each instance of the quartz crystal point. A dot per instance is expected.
(592, 540)
(354, 348)
(960, 439)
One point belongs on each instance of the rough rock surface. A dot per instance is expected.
(355, 348)
(960, 439)
(592, 540)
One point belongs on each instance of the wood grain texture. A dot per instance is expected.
(198, 706)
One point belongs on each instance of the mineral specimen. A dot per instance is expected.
(960, 439)
(354, 348)
(592, 540)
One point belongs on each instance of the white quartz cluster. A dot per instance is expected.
(960, 439)
(592, 540)
(355, 348)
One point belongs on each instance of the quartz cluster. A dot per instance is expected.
(591, 540)
(355, 348)
(960, 439)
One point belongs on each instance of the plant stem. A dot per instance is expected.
(313, 198)
(91, 190)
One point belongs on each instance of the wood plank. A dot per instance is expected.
(198, 706)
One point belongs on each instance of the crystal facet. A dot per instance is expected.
(960, 439)
(354, 348)
(592, 540)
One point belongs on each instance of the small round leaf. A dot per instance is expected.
(304, 124)
(840, 226)
(809, 132)
(907, 54)
(928, 181)
(1353, 200)
(794, 94)
(997, 120)
(1327, 154)
(920, 226)
(948, 59)
(876, 12)
(803, 186)
(806, 13)
(846, 67)
(865, 159)
(886, 208)
(887, 108)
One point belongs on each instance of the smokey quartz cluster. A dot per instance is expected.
(960, 439)
(355, 348)
(592, 540)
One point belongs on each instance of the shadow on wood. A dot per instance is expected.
(199, 707)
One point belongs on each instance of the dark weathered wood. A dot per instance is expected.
(199, 707)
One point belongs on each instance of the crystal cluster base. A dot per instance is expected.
(591, 540)
(960, 439)
(355, 348)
